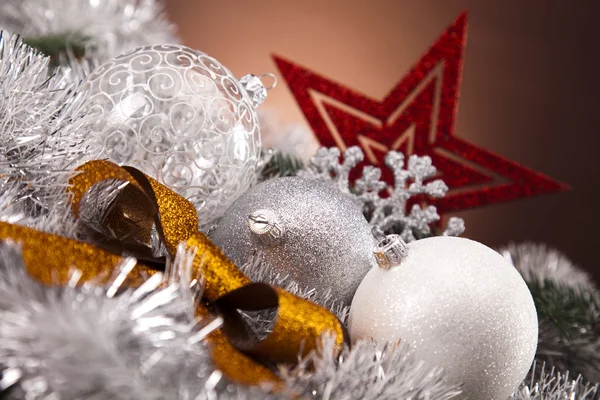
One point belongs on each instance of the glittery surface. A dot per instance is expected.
(90, 174)
(234, 364)
(297, 328)
(51, 258)
(326, 245)
(307, 321)
(461, 306)
(178, 216)
(237, 366)
(220, 275)
(415, 102)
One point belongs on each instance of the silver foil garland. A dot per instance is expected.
(41, 115)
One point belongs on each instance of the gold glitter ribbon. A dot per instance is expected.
(143, 204)
(51, 258)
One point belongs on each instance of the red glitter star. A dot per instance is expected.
(416, 117)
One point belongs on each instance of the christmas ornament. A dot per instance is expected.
(416, 103)
(303, 228)
(458, 304)
(182, 118)
(386, 213)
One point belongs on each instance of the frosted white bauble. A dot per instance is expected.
(181, 117)
(460, 306)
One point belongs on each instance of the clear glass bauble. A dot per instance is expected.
(181, 117)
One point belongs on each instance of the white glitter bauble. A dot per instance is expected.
(181, 117)
(302, 228)
(461, 306)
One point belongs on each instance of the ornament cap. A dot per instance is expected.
(266, 225)
(390, 250)
(255, 87)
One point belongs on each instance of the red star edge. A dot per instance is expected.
(416, 117)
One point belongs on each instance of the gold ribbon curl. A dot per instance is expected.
(145, 207)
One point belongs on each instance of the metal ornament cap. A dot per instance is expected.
(390, 251)
(266, 225)
(255, 87)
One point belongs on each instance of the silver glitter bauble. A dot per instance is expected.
(460, 306)
(182, 118)
(302, 228)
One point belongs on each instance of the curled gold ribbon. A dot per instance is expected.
(145, 204)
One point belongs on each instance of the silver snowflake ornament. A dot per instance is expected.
(387, 213)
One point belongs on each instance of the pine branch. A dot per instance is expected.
(280, 165)
(59, 44)
(569, 320)
(574, 311)
(568, 307)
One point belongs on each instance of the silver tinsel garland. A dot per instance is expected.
(552, 385)
(41, 115)
(87, 342)
(107, 27)
(367, 372)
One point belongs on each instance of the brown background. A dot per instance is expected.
(529, 91)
